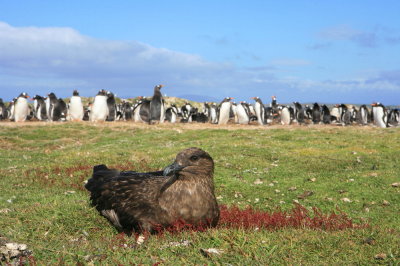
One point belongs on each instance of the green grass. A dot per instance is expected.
(41, 164)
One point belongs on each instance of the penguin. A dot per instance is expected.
(346, 116)
(157, 109)
(285, 115)
(126, 111)
(242, 114)
(274, 105)
(141, 110)
(11, 109)
(233, 113)
(213, 113)
(75, 110)
(326, 114)
(299, 114)
(186, 112)
(86, 113)
(40, 108)
(362, 115)
(50, 103)
(99, 110)
(59, 111)
(316, 114)
(3, 110)
(171, 114)
(260, 110)
(224, 111)
(393, 117)
(112, 107)
(21, 108)
(380, 114)
(336, 114)
(206, 109)
(308, 112)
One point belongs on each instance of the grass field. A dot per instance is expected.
(348, 169)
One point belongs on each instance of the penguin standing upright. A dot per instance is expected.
(326, 114)
(362, 115)
(380, 114)
(3, 110)
(99, 110)
(171, 114)
(187, 112)
(285, 115)
(336, 113)
(50, 104)
(316, 114)
(76, 111)
(59, 111)
(112, 107)
(242, 114)
(40, 108)
(157, 109)
(21, 108)
(260, 110)
(299, 114)
(224, 111)
(213, 113)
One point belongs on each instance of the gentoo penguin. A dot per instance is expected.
(274, 105)
(316, 114)
(157, 109)
(187, 112)
(51, 101)
(347, 115)
(112, 107)
(242, 114)
(99, 110)
(326, 114)
(206, 109)
(39, 106)
(126, 111)
(260, 110)
(336, 113)
(224, 111)
(380, 115)
(21, 108)
(3, 110)
(308, 112)
(362, 115)
(213, 113)
(393, 117)
(76, 111)
(299, 114)
(59, 111)
(171, 114)
(234, 112)
(285, 115)
(11, 107)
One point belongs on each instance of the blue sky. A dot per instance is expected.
(325, 51)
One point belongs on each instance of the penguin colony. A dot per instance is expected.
(104, 107)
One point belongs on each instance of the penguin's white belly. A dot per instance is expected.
(76, 108)
(136, 114)
(224, 113)
(21, 110)
(100, 109)
(242, 115)
(379, 117)
(285, 117)
(162, 114)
